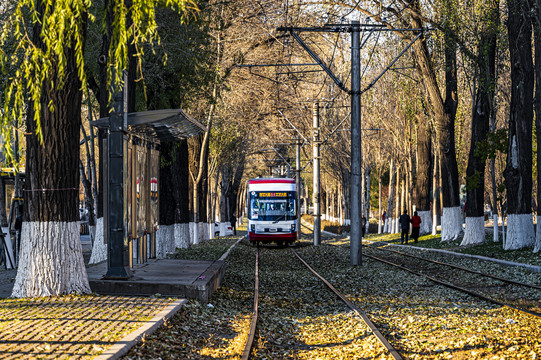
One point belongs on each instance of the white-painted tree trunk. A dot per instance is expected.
(503, 230)
(210, 230)
(182, 236)
(99, 250)
(194, 233)
(198, 232)
(434, 224)
(496, 228)
(165, 241)
(474, 233)
(385, 225)
(451, 223)
(379, 226)
(520, 232)
(205, 231)
(537, 246)
(426, 222)
(51, 261)
(92, 233)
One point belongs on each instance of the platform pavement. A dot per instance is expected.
(167, 277)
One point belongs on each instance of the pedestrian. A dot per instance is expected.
(363, 225)
(404, 221)
(415, 226)
(384, 217)
(233, 223)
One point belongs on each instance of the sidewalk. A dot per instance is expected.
(78, 327)
(95, 326)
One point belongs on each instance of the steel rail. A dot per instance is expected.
(253, 323)
(461, 268)
(452, 286)
(353, 307)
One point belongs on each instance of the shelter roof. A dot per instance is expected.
(164, 125)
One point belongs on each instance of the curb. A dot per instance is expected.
(226, 254)
(311, 227)
(532, 268)
(123, 346)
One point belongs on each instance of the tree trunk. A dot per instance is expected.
(165, 236)
(3, 200)
(537, 43)
(379, 205)
(518, 171)
(367, 198)
(444, 113)
(397, 199)
(436, 193)
(475, 172)
(51, 258)
(235, 186)
(390, 201)
(422, 181)
(198, 149)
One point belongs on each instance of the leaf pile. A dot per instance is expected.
(299, 318)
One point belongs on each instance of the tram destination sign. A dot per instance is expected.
(272, 194)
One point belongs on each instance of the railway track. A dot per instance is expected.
(435, 270)
(253, 324)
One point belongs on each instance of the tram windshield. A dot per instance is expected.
(272, 206)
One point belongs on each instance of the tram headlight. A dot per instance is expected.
(253, 227)
(293, 226)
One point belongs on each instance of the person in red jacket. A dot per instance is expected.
(415, 226)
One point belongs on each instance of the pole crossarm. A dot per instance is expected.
(392, 63)
(294, 127)
(347, 28)
(280, 155)
(335, 130)
(319, 61)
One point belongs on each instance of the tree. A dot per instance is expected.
(485, 65)
(52, 73)
(537, 44)
(518, 171)
(50, 261)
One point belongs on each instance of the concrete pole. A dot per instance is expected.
(316, 194)
(298, 181)
(355, 240)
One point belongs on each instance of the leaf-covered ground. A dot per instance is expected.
(301, 319)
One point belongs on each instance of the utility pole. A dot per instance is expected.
(116, 266)
(356, 155)
(315, 165)
(354, 28)
(298, 181)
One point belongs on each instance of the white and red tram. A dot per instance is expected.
(272, 210)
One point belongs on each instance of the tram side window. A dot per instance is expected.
(291, 208)
(254, 209)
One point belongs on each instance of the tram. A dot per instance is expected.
(272, 210)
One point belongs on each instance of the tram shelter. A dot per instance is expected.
(141, 169)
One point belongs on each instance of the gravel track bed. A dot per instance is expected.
(517, 295)
(301, 319)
